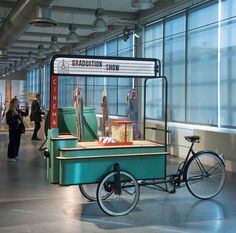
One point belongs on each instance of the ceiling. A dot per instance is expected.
(20, 38)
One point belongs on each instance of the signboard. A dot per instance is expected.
(54, 102)
(104, 66)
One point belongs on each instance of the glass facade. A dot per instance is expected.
(198, 55)
(227, 68)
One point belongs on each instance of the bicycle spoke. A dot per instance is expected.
(205, 175)
(213, 168)
(119, 203)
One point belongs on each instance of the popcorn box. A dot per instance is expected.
(122, 130)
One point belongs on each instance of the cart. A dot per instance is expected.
(117, 171)
(96, 168)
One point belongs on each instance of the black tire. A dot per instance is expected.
(122, 203)
(205, 175)
(89, 191)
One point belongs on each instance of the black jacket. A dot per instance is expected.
(14, 121)
(36, 112)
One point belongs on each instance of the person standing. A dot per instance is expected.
(36, 116)
(14, 119)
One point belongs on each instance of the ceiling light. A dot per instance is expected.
(126, 34)
(17, 65)
(3, 53)
(41, 52)
(11, 68)
(99, 24)
(54, 48)
(43, 17)
(6, 71)
(22, 63)
(30, 58)
(72, 37)
(141, 4)
(2, 72)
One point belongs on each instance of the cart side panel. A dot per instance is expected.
(83, 171)
(52, 162)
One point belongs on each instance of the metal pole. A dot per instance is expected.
(144, 109)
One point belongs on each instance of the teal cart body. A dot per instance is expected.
(89, 162)
(71, 162)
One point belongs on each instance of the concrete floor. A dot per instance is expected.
(28, 203)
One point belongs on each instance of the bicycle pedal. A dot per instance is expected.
(173, 191)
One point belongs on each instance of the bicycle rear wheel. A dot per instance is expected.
(205, 175)
(90, 191)
(118, 203)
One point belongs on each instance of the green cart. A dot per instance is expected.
(108, 174)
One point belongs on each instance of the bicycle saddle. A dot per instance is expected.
(192, 138)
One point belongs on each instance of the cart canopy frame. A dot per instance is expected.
(102, 66)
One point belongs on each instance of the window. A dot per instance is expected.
(45, 86)
(227, 63)
(202, 66)
(153, 47)
(112, 83)
(98, 82)
(125, 49)
(90, 86)
(175, 66)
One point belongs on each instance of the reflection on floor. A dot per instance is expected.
(28, 203)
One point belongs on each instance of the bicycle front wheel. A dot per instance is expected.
(121, 202)
(205, 175)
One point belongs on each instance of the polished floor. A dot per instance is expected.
(28, 203)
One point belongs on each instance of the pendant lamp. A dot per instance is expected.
(99, 24)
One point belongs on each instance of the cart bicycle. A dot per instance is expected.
(118, 191)
(117, 172)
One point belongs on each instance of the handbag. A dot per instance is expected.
(22, 128)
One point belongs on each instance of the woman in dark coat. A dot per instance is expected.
(14, 118)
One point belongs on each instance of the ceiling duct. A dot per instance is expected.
(18, 20)
(43, 17)
(141, 4)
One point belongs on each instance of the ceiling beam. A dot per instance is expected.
(66, 25)
(45, 34)
(33, 42)
(86, 11)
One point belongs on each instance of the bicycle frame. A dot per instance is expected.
(173, 180)
(184, 163)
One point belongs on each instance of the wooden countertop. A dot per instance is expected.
(64, 137)
(95, 145)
